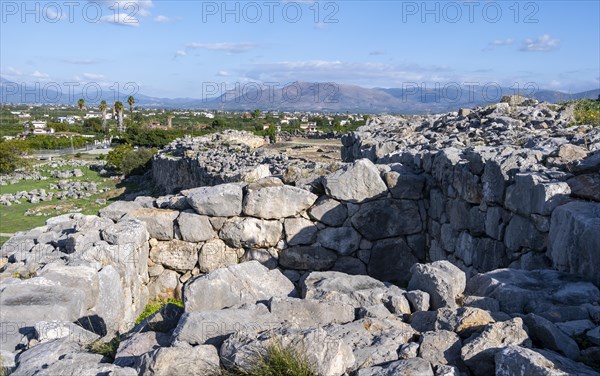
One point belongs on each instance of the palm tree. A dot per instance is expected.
(130, 101)
(119, 110)
(169, 118)
(81, 104)
(103, 107)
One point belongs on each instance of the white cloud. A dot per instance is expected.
(121, 19)
(502, 42)
(544, 43)
(11, 71)
(377, 53)
(93, 76)
(80, 61)
(223, 74)
(234, 48)
(162, 19)
(179, 53)
(38, 74)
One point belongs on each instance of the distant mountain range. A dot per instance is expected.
(299, 96)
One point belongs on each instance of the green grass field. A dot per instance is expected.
(13, 218)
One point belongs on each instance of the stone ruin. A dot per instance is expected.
(418, 256)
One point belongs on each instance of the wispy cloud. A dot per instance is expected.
(223, 74)
(93, 76)
(179, 53)
(545, 43)
(234, 48)
(502, 42)
(162, 19)
(80, 61)
(121, 19)
(377, 53)
(38, 74)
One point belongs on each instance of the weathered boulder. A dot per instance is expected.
(343, 240)
(49, 330)
(440, 347)
(160, 223)
(216, 254)
(534, 193)
(165, 361)
(443, 281)
(478, 353)
(387, 218)
(414, 366)
(175, 254)
(391, 260)
(574, 239)
(522, 291)
(373, 341)
(545, 334)
(194, 227)
(223, 200)
(118, 209)
(328, 355)
(329, 211)
(585, 186)
(519, 361)
(237, 284)
(405, 184)
(251, 232)
(133, 347)
(213, 327)
(277, 202)
(299, 231)
(355, 182)
(312, 257)
(310, 313)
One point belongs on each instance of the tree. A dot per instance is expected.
(12, 153)
(256, 114)
(81, 104)
(169, 119)
(130, 101)
(103, 107)
(94, 124)
(118, 107)
(218, 122)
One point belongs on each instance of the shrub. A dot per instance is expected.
(129, 161)
(12, 153)
(278, 360)
(587, 111)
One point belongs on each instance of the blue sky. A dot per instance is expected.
(177, 48)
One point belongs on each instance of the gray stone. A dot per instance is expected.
(165, 286)
(307, 258)
(160, 223)
(329, 211)
(213, 327)
(575, 239)
(443, 281)
(405, 184)
(194, 227)
(355, 182)
(223, 200)
(585, 186)
(533, 193)
(237, 284)
(387, 218)
(318, 285)
(419, 300)
(440, 347)
(391, 260)
(349, 265)
(519, 361)
(521, 233)
(545, 334)
(575, 327)
(594, 335)
(377, 311)
(373, 341)
(118, 209)
(175, 254)
(482, 302)
(299, 231)
(132, 348)
(132, 232)
(311, 313)
(414, 366)
(327, 354)
(277, 202)
(198, 360)
(251, 232)
(520, 290)
(267, 257)
(49, 330)
(216, 254)
(344, 240)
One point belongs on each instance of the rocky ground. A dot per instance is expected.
(458, 244)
